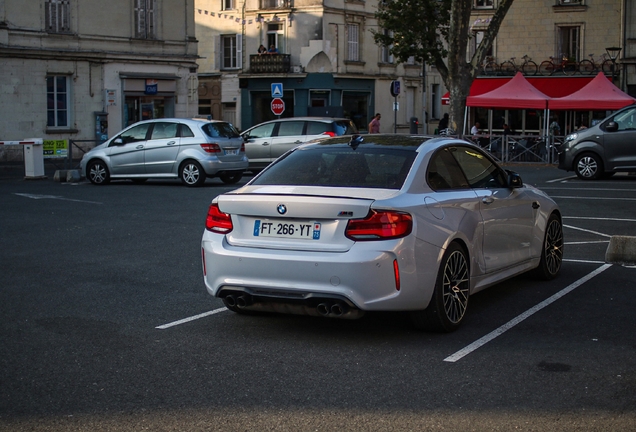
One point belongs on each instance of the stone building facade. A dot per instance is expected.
(82, 70)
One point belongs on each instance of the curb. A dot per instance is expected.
(621, 250)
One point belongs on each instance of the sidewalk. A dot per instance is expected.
(15, 170)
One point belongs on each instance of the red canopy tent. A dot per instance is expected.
(517, 93)
(598, 94)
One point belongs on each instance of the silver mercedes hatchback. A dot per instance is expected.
(191, 150)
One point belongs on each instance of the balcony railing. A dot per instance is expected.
(275, 4)
(270, 63)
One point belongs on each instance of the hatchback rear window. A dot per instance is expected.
(220, 130)
(344, 128)
(366, 167)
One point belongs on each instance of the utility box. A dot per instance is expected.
(101, 126)
(33, 158)
(413, 125)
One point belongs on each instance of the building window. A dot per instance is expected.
(569, 42)
(57, 101)
(474, 42)
(570, 2)
(145, 18)
(353, 42)
(58, 16)
(630, 29)
(275, 37)
(227, 4)
(385, 53)
(231, 51)
(274, 4)
(483, 4)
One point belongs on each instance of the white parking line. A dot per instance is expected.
(510, 324)
(599, 218)
(592, 198)
(192, 318)
(588, 231)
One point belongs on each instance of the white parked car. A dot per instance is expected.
(380, 223)
(191, 150)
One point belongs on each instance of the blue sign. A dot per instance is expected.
(277, 90)
(395, 88)
(152, 87)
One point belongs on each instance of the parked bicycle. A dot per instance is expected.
(550, 67)
(489, 67)
(588, 67)
(510, 67)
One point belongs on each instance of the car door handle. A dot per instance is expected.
(536, 205)
(298, 142)
(139, 147)
(265, 143)
(487, 200)
(172, 143)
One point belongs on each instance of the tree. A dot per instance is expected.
(438, 32)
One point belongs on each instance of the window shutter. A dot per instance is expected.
(150, 17)
(239, 51)
(352, 38)
(140, 15)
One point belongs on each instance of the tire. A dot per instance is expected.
(192, 174)
(530, 68)
(552, 250)
(607, 67)
(491, 68)
(586, 67)
(546, 68)
(97, 173)
(588, 166)
(231, 178)
(507, 68)
(570, 68)
(448, 305)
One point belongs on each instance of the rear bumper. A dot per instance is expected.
(213, 167)
(363, 277)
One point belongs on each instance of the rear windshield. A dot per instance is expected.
(367, 167)
(220, 130)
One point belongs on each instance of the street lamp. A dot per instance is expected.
(613, 53)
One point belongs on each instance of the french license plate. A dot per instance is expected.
(231, 152)
(309, 230)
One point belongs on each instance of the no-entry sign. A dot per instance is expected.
(278, 106)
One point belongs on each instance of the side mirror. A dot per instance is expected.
(514, 179)
(611, 126)
(118, 141)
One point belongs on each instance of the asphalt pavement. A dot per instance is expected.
(105, 324)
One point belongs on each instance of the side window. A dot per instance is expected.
(134, 134)
(164, 130)
(264, 131)
(444, 173)
(626, 120)
(479, 170)
(185, 131)
(317, 128)
(291, 128)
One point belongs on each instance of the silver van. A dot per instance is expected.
(602, 150)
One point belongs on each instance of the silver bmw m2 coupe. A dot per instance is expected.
(353, 224)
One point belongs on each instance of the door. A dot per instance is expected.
(290, 134)
(620, 145)
(162, 148)
(258, 144)
(127, 151)
(507, 213)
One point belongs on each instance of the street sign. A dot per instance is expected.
(395, 88)
(277, 90)
(278, 106)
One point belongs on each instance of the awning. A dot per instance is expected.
(551, 86)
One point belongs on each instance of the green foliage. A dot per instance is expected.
(416, 28)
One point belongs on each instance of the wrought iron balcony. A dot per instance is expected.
(270, 63)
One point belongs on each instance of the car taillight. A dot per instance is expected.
(243, 148)
(331, 134)
(380, 225)
(217, 221)
(211, 148)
